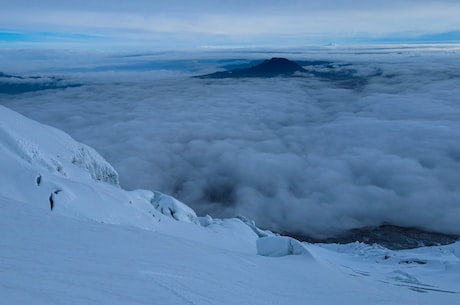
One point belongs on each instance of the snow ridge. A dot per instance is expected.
(87, 158)
(32, 142)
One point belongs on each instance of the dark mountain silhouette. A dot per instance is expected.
(328, 71)
(268, 68)
(12, 84)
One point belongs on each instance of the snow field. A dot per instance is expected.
(71, 235)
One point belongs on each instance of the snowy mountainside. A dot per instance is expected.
(71, 235)
(47, 167)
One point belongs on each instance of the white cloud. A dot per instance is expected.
(297, 155)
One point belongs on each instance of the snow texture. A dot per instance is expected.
(280, 246)
(172, 207)
(100, 244)
(51, 153)
(44, 165)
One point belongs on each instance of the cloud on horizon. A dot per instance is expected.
(203, 22)
(297, 155)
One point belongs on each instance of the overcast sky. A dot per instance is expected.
(195, 23)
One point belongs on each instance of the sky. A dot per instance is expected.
(206, 23)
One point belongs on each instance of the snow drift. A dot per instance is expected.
(280, 246)
(43, 165)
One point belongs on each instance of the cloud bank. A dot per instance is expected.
(203, 22)
(300, 155)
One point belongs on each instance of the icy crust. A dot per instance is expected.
(50, 149)
(456, 249)
(423, 270)
(276, 246)
(88, 159)
(43, 166)
(251, 224)
(172, 207)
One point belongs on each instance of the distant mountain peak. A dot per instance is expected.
(273, 67)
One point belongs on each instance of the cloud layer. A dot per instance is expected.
(300, 155)
(203, 22)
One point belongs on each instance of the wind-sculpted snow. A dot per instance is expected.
(172, 207)
(310, 156)
(49, 259)
(276, 246)
(46, 167)
(98, 168)
(32, 143)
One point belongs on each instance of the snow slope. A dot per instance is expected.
(71, 235)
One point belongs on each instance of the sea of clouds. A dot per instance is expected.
(298, 155)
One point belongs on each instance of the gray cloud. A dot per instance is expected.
(297, 155)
